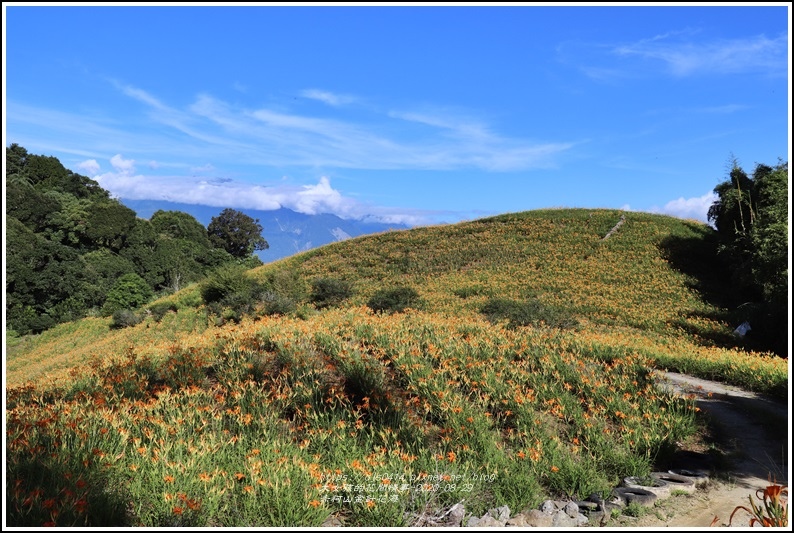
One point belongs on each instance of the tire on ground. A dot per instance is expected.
(657, 486)
(586, 507)
(631, 495)
(676, 482)
(699, 477)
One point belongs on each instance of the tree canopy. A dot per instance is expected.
(751, 217)
(72, 250)
(237, 233)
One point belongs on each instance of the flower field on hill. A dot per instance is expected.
(376, 417)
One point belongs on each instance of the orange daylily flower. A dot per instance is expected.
(773, 513)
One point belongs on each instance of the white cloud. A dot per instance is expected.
(723, 109)
(438, 140)
(752, 54)
(208, 132)
(213, 130)
(222, 192)
(320, 198)
(207, 167)
(90, 167)
(143, 96)
(476, 145)
(464, 127)
(328, 97)
(125, 166)
(603, 74)
(287, 121)
(679, 53)
(688, 208)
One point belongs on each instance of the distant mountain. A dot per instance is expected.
(286, 231)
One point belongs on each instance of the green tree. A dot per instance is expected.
(68, 224)
(16, 157)
(237, 233)
(28, 205)
(40, 275)
(103, 268)
(769, 234)
(179, 225)
(129, 292)
(47, 172)
(225, 282)
(108, 224)
(172, 252)
(178, 262)
(751, 218)
(733, 211)
(733, 214)
(68, 243)
(139, 249)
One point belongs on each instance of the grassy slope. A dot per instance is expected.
(257, 423)
(646, 288)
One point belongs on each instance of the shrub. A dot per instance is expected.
(190, 298)
(286, 283)
(305, 311)
(329, 292)
(527, 313)
(129, 292)
(281, 292)
(124, 318)
(225, 281)
(159, 310)
(394, 300)
(471, 290)
(277, 304)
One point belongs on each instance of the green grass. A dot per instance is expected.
(279, 419)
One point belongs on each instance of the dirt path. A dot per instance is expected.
(748, 441)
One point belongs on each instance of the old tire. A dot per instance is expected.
(656, 486)
(631, 495)
(698, 477)
(676, 482)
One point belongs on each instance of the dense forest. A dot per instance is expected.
(73, 251)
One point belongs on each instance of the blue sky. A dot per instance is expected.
(418, 114)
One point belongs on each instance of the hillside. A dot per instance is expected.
(524, 369)
(655, 283)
